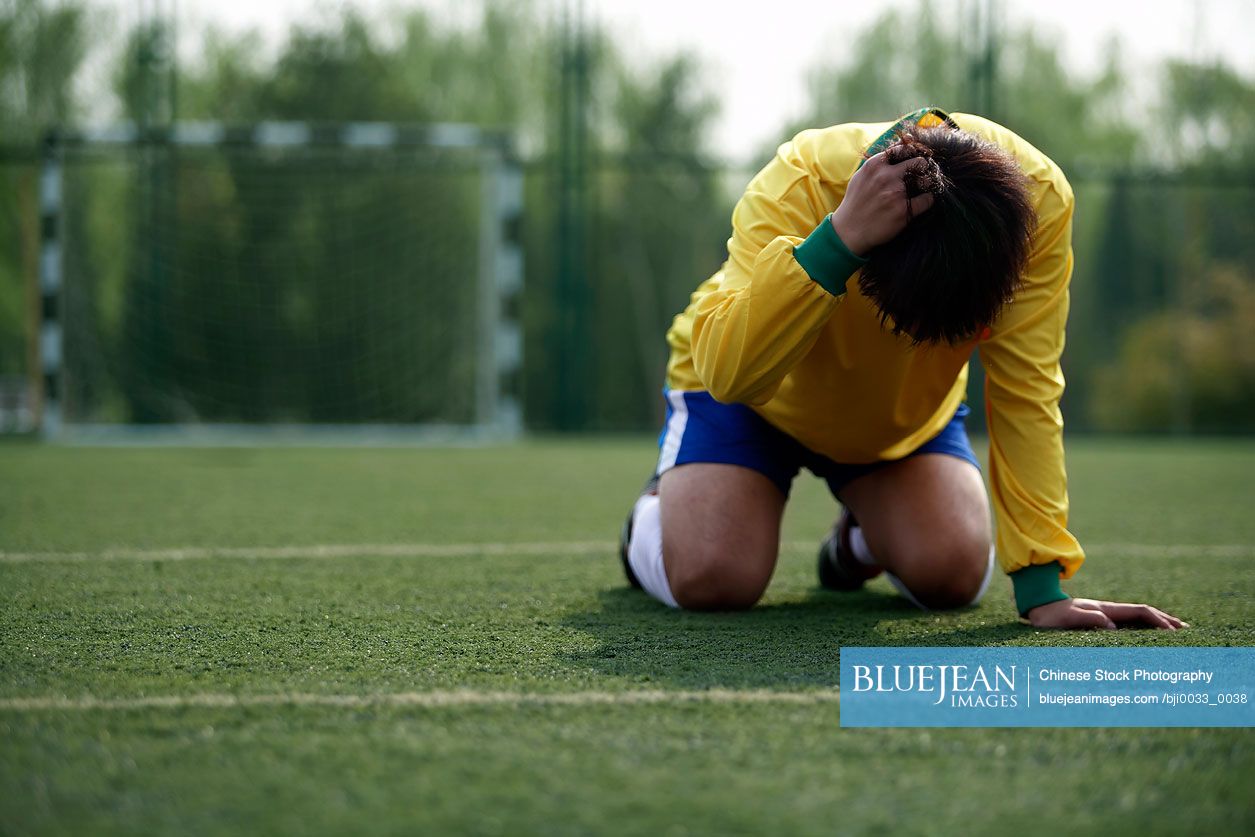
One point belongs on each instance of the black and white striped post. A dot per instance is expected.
(50, 283)
(499, 370)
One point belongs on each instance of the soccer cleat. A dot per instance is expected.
(625, 535)
(838, 568)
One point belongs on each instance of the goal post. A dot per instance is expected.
(280, 281)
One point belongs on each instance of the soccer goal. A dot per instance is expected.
(280, 281)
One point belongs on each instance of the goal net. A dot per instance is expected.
(280, 280)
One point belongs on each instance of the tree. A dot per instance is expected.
(1206, 118)
(661, 227)
(904, 61)
(42, 48)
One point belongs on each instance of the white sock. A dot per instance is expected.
(859, 548)
(645, 550)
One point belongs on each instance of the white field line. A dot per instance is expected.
(343, 550)
(458, 550)
(425, 700)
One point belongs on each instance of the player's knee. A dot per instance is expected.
(710, 583)
(950, 593)
(954, 576)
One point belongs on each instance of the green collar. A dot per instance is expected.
(929, 117)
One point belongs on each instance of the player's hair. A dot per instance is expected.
(947, 275)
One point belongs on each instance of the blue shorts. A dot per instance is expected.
(700, 429)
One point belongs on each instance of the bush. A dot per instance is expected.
(1187, 370)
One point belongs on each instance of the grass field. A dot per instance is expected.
(430, 641)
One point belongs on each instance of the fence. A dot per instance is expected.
(1160, 336)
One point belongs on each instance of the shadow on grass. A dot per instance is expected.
(791, 644)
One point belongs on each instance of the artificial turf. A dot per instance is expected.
(1167, 522)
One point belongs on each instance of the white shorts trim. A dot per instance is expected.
(674, 433)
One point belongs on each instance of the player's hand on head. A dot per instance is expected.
(1091, 614)
(876, 206)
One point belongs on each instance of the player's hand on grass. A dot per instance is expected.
(1087, 614)
(876, 207)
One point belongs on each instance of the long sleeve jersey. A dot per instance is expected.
(817, 363)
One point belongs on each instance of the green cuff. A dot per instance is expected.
(1037, 584)
(826, 259)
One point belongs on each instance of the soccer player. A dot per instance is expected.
(866, 262)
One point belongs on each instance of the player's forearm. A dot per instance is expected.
(1028, 489)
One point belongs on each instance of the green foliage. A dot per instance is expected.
(1075, 120)
(666, 112)
(907, 59)
(1208, 117)
(42, 48)
(342, 68)
(144, 81)
(899, 63)
(226, 85)
(659, 227)
(1190, 367)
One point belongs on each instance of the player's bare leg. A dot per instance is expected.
(926, 520)
(720, 534)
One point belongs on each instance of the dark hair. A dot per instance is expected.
(947, 275)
